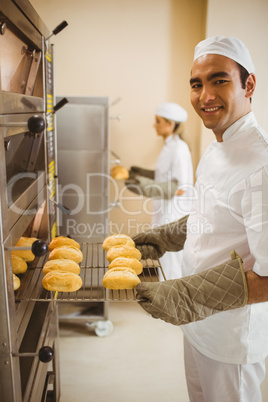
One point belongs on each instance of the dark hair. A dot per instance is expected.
(176, 126)
(243, 75)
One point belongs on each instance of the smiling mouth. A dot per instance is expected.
(211, 109)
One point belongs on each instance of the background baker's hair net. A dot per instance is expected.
(172, 111)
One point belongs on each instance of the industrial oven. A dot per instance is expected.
(30, 207)
(29, 328)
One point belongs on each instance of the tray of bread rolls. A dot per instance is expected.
(71, 271)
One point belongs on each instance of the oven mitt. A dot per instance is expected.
(169, 237)
(198, 296)
(135, 170)
(151, 188)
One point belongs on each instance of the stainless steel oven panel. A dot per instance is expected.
(50, 339)
(21, 213)
(17, 103)
(22, 49)
(41, 330)
(13, 124)
(83, 166)
(30, 282)
(28, 10)
(9, 368)
(22, 161)
(18, 18)
(45, 315)
(16, 218)
(21, 67)
(25, 90)
(3, 200)
(23, 315)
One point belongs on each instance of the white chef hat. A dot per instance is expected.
(230, 47)
(172, 111)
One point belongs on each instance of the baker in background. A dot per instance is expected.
(171, 183)
(225, 307)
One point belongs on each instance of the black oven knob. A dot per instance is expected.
(36, 124)
(46, 354)
(39, 248)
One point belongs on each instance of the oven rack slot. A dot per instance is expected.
(93, 268)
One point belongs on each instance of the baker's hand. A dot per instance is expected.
(136, 170)
(151, 188)
(151, 251)
(196, 297)
(170, 237)
(133, 184)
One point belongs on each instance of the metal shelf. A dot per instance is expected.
(93, 268)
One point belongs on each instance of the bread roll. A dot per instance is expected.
(117, 240)
(63, 265)
(120, 278)
(119, 172)
(16, 282)
(123, 251)
(19, 266)
(62, 241)
(56, 281)
(132, 263)
(26, 255)
(65, 252)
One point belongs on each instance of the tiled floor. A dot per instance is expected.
(140, 361)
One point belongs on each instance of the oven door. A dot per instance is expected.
(22, 159)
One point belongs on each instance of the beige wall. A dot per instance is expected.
(248, 21)
(140, 51)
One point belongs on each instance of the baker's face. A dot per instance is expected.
(163, 127)
(217, 94)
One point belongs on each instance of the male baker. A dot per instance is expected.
(221, 302)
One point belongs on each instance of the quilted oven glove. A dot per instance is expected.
(151, 188)
(169, 237)
(196, 297)
(135, 170)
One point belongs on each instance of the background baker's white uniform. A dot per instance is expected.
(174, 162)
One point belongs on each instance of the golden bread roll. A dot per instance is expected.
(26, 255)
(62, 241)
(117, 240)
(63, 265)
(56, 281)
(65, 252)
(123, 251)
(119, 172)
(132, 263)
(120, 278)
(19, 266)
(16, 282)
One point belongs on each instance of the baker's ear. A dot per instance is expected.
(250, 85)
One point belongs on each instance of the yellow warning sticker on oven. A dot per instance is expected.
(49, 54)
(54, 231)
(51, 178)
(49, 103)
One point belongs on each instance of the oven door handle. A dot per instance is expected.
(35, 124)
(45, 354)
